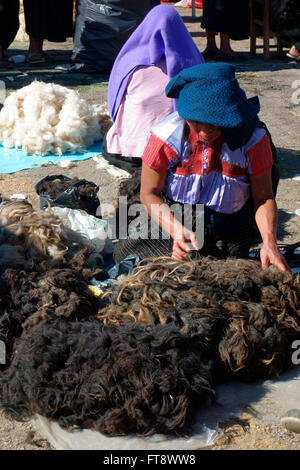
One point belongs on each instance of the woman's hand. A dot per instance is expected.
(152, 184)
(184, 241)
(270, 254)
(266, 215)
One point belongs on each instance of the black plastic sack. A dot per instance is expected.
(70, 197)
(102, 28)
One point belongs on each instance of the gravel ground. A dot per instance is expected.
(273, 82)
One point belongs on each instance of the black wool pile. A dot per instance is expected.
(44, 271)
(118, 381)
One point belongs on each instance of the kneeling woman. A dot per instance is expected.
(213, 151)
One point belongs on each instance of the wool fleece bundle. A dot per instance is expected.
(45, 118)
(118, 381)
(44, 270)
(250, 316)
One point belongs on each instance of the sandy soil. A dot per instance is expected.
(273, 82)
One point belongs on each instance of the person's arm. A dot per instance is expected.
(152, 183)
(266, 216)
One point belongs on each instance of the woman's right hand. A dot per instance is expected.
(152, 184)
(184, 241)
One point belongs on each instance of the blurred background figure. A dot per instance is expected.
(158, 49)
(47, 19)
(9, 25)
(285, 20)
(230, 18)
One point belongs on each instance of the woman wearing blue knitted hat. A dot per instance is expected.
(213, 151)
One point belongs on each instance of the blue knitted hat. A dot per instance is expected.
(210, 93)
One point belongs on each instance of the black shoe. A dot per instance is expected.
(223, 57)
(210, 54)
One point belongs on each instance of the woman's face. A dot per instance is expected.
(206, 132)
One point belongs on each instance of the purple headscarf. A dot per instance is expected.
(162, 33)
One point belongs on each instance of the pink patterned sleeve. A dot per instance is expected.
(157, 154)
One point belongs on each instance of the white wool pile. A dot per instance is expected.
(45, 118)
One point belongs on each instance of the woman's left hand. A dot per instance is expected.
(266, 216)
(270, 254)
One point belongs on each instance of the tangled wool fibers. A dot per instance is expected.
(118, 381)
(37, 235)
(54, 188)
(33, 297)
(44, 271)
(45, 118)
(131, 188)
(258, 312)
(41, 233)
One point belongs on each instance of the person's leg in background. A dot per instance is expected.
(35, 51)
(50, 20)
(3, 60)
(216, 16)
(210, 24)
(211, 50)
(9, 25)
(225, 46)
(35, 27)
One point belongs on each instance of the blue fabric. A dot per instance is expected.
(237, 137)
(210, 93)
(12, 160)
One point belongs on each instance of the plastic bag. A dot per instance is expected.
(126, 266)
(67, 193)
(93, 230)
(102, 28)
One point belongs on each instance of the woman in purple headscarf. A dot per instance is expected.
(158, 49)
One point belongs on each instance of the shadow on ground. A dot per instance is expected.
(283, 219)
(289, 162)
(23, 74)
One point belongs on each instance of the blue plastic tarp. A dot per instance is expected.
(13, 160)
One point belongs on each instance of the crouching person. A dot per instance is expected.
(213, 151)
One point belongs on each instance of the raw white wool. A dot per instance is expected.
(45, 118)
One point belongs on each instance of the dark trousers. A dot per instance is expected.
(49, 19)
(129, 164)
(9, 22)
(233, 234)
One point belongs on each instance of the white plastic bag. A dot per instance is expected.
(92, 229)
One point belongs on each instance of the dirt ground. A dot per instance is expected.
(276, 83)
